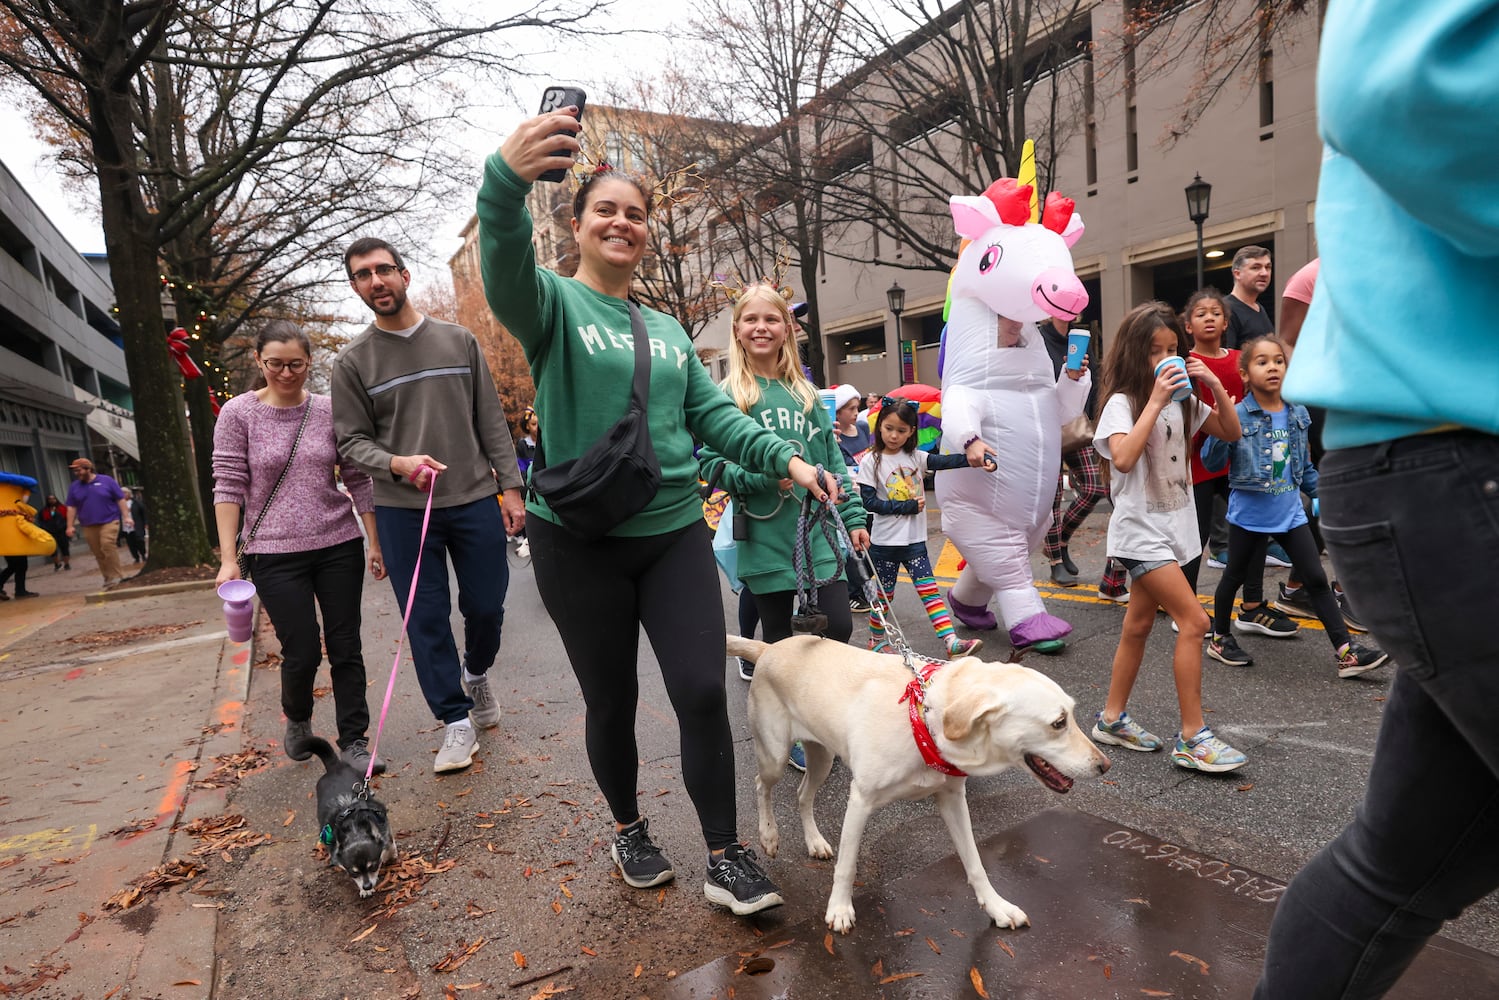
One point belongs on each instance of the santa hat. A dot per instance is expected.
(842, 394)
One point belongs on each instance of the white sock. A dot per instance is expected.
(465, 723)
(471, 678)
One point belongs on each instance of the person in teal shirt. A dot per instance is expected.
(1399, 348)
(656, 569)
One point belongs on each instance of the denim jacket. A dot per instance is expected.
(1249, 457)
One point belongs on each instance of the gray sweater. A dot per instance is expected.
(430, 393)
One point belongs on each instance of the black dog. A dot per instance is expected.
(352, 823)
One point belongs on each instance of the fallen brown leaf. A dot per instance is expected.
(363, 934)
(827, 942)
(1006, 946)
(1245, 788)
(557, 906)
(638, 970)
(188, 982)
(520, 960)
(936, 948)
(978, 982)
(454, 960)
(290, 815)
(1191, 960)
(878, 968)
(588, 951)
(899, 976)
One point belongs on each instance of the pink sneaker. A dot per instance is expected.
(964, 647)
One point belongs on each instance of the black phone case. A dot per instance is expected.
(554, 99)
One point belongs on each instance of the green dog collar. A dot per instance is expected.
(326, 836)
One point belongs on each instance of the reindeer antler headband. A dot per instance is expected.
(735, 285)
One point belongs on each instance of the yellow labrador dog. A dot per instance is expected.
(982, 718)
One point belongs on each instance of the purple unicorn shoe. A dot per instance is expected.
(1042, 631)
(981, 618)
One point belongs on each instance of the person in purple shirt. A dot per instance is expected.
(97, 505)
(307, 547)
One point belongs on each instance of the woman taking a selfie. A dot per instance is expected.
(273, 459)
(655, 569)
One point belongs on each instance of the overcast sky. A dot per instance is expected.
(78, 219)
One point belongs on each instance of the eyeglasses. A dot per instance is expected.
(276, 365)
(363, 275)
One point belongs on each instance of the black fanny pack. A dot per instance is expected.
(618, 475)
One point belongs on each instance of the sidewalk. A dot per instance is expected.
(115, 713)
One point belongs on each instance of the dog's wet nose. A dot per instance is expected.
(1104, 764)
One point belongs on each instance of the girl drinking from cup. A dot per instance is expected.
(890, 482)
(1144, 434)
(1269, 467)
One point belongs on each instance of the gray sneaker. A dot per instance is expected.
(457, 752)
(486, 711)
(357, 755)
(297, 735)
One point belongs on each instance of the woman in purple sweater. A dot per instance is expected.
(308, 545)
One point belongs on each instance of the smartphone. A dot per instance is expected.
(555, 99)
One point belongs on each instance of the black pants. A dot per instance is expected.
(1245, 546)
(1424, 844)
(15, 566)
(599, 595)
(289, 583)
(832, 600)
(137, 541)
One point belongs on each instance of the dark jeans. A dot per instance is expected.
(1425, 842)
(1247, 548)
(137, 541)
(473, 534)
(15, 566)
(599, 595)
(777, 608)
(294, 587)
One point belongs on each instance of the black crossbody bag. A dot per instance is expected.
(618, 475)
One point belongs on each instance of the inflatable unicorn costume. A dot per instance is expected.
(998, 385)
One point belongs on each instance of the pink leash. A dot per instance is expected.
(416, 575)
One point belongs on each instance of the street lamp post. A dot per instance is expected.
(1199, 192)
(895, 297)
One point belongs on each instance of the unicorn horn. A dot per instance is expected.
(1027, 175)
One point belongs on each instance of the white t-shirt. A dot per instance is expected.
(900, 477)
(1154, 517)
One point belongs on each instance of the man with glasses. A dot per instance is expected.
(413, 394)
(98, 505)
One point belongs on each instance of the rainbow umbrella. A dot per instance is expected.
(928, 400)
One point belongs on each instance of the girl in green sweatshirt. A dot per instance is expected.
(655, 570)
(766, 381)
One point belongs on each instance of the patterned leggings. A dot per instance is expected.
(888, 560)
(1087, 483)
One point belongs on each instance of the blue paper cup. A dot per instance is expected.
(1077, 348)
(1178, 362)
(830, 400)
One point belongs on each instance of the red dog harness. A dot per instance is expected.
(915, 697)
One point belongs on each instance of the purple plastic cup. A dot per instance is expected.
(1175, 360)
(239, 608)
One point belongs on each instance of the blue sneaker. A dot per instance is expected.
(1275, 555)
(1124, 732)
(798, 756)
(1206, 752)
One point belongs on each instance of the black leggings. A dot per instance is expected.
(832, 600)
(1244, 545)
(599, 594)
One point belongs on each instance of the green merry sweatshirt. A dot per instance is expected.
(581, 352)
(765, 558)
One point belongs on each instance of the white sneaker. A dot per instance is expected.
(457, 752)
(486, 711)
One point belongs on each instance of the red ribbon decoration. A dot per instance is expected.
(177, 344)
(915, 697)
